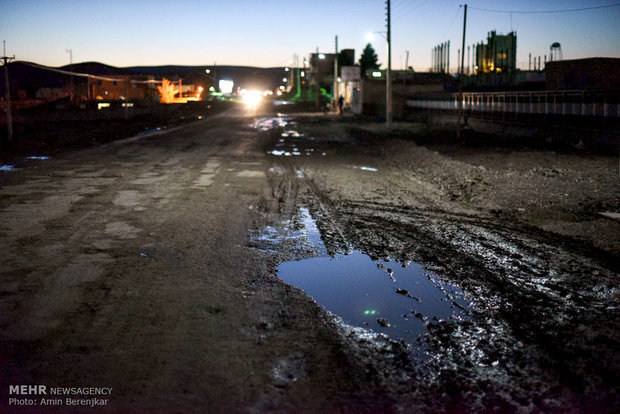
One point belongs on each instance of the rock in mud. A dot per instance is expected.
(383, 322)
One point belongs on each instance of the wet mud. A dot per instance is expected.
(171, 267)
(538, 330)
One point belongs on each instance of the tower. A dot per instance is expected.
(555, 51)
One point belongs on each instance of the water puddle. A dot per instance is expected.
(291, 142)
(395, 299)
(265, 124)
(372, 169)
(279, 153)
(149, 131)
(299, 235)
(279, 102)
(8, 167)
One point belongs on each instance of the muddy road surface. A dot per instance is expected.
(418, 278)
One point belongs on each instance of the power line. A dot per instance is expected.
(400, 6)
(546, 11)
(406, 12)
(87, 75)
(458, 11)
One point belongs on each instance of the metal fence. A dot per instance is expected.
(554, 103)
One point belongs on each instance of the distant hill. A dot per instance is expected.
(23, 76)
(96, 68)
(29, 77)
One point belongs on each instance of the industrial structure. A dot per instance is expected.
(498, 55)
(441, 58)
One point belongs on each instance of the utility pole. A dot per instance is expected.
(448, 58)
(407, 60)
(7, 91)
(458, 129)
(317, 74)
(388, 78)
(335, 94)
(297, 75)
(127, 97)
(70, 52)
(442, 60)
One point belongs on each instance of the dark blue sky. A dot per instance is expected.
(269, 32)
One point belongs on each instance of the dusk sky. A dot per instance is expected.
(268, 33)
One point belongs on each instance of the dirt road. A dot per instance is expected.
(149, 266)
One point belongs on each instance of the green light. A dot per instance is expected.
(370, 312)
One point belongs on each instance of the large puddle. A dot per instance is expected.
(291, 142)
(387, 297)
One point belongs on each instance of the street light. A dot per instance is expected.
(371, 36)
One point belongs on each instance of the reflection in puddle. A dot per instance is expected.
(290, 140)
(291, 133)
(300, 235)
(8, 167)
(278, 153)
(39, 157)
(311, 231)
(373, 169)
(265, 124)
(381, 295)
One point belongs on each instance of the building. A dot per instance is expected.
(498, 55)
(322, 68)
(120, 87)
(591, 74)
(350, 88)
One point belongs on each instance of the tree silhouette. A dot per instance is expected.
(369, 59)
